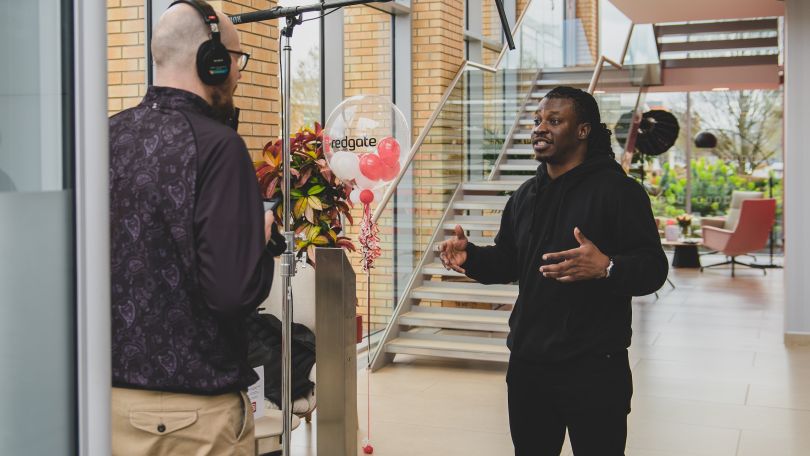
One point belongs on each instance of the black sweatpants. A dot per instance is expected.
(590, 396)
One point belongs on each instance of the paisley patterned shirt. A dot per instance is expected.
(188, 250)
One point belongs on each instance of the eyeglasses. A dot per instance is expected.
(243, 58)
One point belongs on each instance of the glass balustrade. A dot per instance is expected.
(470, 130)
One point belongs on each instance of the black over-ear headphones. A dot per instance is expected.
(213, 59)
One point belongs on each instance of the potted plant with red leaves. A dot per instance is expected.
(320, 200)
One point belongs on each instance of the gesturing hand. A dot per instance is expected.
(454, 251)
(585, 262)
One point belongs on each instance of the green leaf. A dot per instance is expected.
(300, 207)
(313, 231)
(315, 190)
(315, 203)
(295, 193)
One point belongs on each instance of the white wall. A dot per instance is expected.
(797, 165)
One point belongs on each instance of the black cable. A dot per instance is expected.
(322, 15)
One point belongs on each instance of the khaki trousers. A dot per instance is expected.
(153, 423)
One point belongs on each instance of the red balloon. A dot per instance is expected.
(371, 166)
(388, 149)
(390, 172)
(327, 146)
(366, 196)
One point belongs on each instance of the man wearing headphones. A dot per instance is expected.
(191, 249)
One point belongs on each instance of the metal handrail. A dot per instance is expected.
(597, 71)
(481, 66)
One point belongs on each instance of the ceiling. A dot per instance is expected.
(650, 12)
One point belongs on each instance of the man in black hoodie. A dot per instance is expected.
(580, 240)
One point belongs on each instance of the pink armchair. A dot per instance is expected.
(751, 233)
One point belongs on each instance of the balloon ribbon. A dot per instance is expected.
(369, 239)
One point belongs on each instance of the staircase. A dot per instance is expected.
(443, 313)
(719, 43)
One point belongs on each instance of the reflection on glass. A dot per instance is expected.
(30, 102)
(305, 69)
(539, 39)
(748, 155)
(37, 279)
(613, 29)
(368, 70)
(642, 48)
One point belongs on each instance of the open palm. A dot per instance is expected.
(453, 252)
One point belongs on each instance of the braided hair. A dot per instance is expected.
(587, 111)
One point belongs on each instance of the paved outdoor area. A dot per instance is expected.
(712, 378)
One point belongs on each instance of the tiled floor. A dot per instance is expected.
(712, 377)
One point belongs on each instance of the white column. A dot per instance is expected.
(332, 68)
(797, 165)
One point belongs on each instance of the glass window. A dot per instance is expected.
(37, 292)
(305, 100)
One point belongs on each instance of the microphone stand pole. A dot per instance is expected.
(293, 17)
(510, 41)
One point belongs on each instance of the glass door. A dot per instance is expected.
(37, 275)
(46, 128)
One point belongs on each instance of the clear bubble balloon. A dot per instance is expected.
(368, 140)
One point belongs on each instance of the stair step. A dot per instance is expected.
(477, 206)
(466, 292)
(519, 165)
(481, 202)
(572, 82)
(447, 346)
(522, 136)
(521, 152)
(456, 318)
(437, 269)
(516, 177)
(474, 222)
(493, 186)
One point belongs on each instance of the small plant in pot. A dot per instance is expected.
(320, 201)
(685, 222)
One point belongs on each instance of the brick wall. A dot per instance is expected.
(438, 51)
(126, 54)
(257, 94)
(588, 14)
(368, 59)
(521, 5)
(367, 52)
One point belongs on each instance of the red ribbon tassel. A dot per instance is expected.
(369, 239)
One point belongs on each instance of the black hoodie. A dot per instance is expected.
(553, 321)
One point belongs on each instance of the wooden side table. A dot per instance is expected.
(686, 252)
